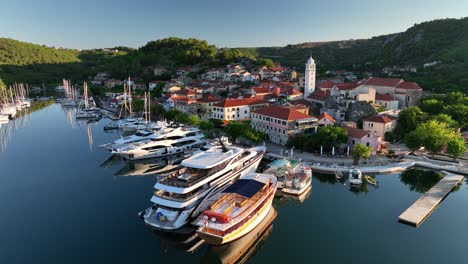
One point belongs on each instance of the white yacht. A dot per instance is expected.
(138, 136)
(179, 140)
(87, 112)
(140, 124)
(183, 195)
(157, 166)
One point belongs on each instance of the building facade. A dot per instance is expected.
(281, 122)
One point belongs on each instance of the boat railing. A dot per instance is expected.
(179, 197)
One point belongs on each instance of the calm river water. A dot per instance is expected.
(58, 205)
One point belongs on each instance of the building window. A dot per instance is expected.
(368, 135)
(353, 142)
(367, 144)
(245, 111)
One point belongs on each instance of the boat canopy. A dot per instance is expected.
(245, 187)
(210, 158)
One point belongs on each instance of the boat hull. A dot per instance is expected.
(297, 191)
(245, 229)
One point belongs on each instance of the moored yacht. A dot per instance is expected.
(157, 166)
(281, 168)
(238, 209)
(179, 140)
(138, 136)
(182, 196)
(298, 181)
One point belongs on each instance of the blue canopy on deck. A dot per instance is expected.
(245, 187)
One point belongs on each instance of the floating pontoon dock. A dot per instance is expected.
(425, 205)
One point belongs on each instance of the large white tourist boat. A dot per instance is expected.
(181, 196)
(176, 141)
(238, 209)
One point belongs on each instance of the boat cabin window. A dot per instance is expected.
(174, 137)
(154, 147)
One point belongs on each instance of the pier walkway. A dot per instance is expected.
(425, 205)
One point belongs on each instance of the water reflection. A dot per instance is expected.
(420, 180)
(188, 242)
(8, 128)
(241, 250)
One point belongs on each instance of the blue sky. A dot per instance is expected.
(235, 23)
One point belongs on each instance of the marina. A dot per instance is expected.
(102, 203)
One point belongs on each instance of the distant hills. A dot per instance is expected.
(445, 41)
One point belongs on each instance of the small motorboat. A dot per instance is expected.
(355, 178)
(371, 181)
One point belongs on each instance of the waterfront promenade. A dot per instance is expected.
(376, 164)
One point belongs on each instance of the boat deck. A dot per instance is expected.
(425, 205)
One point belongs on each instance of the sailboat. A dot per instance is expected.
(87, 112)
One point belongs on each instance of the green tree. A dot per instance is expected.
(432, 106)
(360, 151)
(456, 147)
(444, 118)
(171, 114)
(433, 135)
(182, 118)
(327, 137)
(206, 125)
(459, 113)
(193, 120)
(413, 141)
(409, 118)
(235, 129)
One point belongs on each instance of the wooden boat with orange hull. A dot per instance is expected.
(238, 209)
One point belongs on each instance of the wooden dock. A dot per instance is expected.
(424, 206)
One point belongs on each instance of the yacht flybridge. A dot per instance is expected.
(181, 196)
(140, 135)
(175, 141)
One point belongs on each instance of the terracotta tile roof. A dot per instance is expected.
(182, 99)
(390, 117)
(261, 90)
(378, 119)
(391, 82)
(409, 86)
(356, 132)
(300, 101)
(327, 85)
(239, 102)
(384, 97)
(347, 86)
(209, 99)
(297, 107)
(320, 95)
(290, 91)
(282, 113)
(326, 116)
(277, 69)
